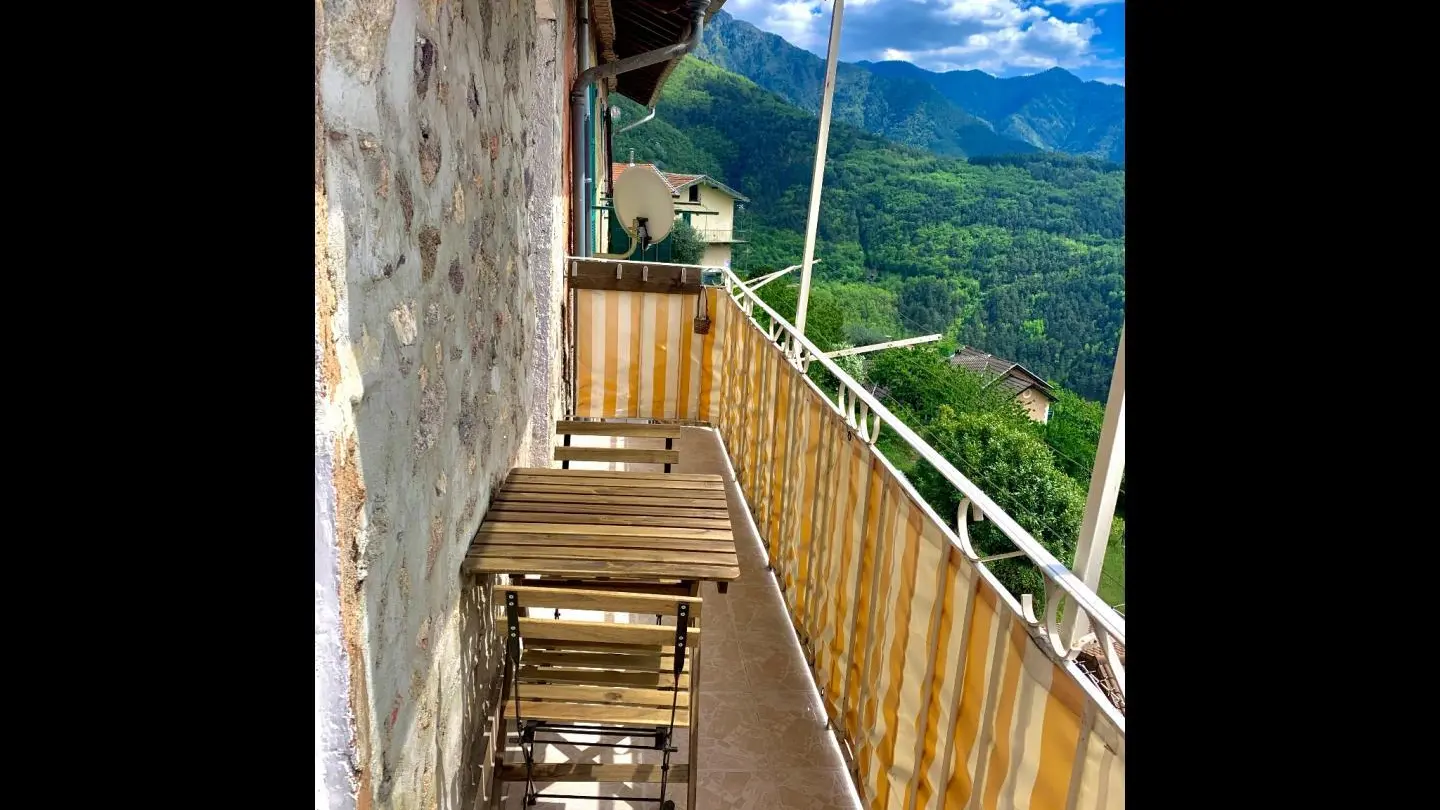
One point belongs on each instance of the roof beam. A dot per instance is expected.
(891, 344)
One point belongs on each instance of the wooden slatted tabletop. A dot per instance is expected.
(607, 524)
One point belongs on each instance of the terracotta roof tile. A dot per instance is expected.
(674, 181)
(1013, 375)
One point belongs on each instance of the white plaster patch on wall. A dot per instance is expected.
(545, 250)
(346, 100)
(334, 781)
(399, 84)
(403, 319)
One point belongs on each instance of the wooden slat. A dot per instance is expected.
(721, 507)
(501, 527)
(624, 475)
(520, 476)
(650, 586)
(508, 516)
(609, 677)
(594, 276)
(608, 601)
(610, 715)
(485, 541)
(712, 513)
(476, 563)
(596, 662)
(566, 630)
(592, 655)
(554, 552)
(604, 695)
(595, 546)
(626, 429)
(590, 772)
(597, 488)
(624, 455)
(607, 647)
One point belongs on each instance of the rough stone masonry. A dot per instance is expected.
(437, 309)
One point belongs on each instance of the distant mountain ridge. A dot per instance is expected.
(959, 113)
(1054, 110)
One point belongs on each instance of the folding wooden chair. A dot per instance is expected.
(568, 428)
(608, 679)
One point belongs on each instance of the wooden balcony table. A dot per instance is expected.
(598, 525)
(660, 532)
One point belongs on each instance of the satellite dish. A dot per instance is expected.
(642, 198)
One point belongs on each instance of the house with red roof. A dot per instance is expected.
(706, 203)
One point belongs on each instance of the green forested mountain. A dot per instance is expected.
(904, 109)
(961, 113)
(1023, 256)
(1054, 110)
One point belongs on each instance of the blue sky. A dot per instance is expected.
(1001, 37)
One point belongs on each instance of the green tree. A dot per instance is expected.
(824, 320)
(1074, 432)
(852, 364)
(1017, 470)
(930, 304)
(686, 246)
(921, 381)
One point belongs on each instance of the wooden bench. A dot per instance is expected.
(601, 678)
(567, 428)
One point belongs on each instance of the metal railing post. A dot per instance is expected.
(1100, 502)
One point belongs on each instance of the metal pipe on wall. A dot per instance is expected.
(578, 144)
(629, 127)
(579, 213)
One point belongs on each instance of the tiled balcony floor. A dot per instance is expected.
(763, 741)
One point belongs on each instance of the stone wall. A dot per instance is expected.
(437, 310)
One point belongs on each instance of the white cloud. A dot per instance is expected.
(801, 22)
(797, 21)
(1003, 37)
(1076, 5)
(1007, 38)
(1120, 80)
(991, 13)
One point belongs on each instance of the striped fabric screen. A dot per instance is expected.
(637, 355)
(929, 672)
(946, 699)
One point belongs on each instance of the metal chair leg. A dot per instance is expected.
(682, 627)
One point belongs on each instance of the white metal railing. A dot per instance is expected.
(859, 408)
(720, 234)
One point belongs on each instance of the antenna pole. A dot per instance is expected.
(818, 178)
